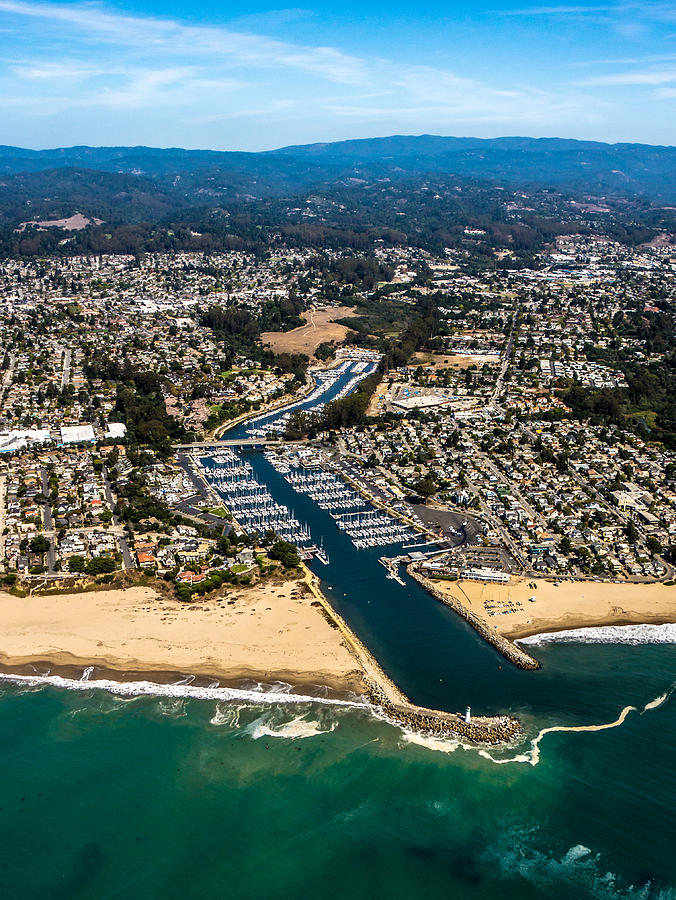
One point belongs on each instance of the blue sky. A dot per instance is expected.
(252, 76)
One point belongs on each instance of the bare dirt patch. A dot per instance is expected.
(321, 326)
(438, 361)
(73, 223)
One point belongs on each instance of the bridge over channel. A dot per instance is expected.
(242, 443)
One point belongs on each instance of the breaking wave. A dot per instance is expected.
(227, 714)
(178, 690)
(606, 634)
(432, 742)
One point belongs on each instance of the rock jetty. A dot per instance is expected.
(480, 730)
(396, 707)
(509, 650)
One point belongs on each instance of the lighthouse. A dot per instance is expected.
(468, 715)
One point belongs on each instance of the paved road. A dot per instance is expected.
(65, 376)
(505, 363)
(9, 374)
(48, 522)
(199, 515)
(3, 481)
(202, 486)
(450, 521)
(127, 560)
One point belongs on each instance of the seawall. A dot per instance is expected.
(509, 650)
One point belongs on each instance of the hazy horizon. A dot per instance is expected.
(373, 137)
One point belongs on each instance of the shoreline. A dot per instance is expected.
(519, 634)
(136, 637)
(398, 709)
(270, 632)
(635, 633)
(509, 650)
(528, 606)
(66, 665)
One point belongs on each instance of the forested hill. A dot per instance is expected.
(421, 191)
(585, 165)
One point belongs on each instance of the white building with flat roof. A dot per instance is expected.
(77, 434)
(486, 575)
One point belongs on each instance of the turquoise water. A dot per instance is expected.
(109, 797)
(103, 796)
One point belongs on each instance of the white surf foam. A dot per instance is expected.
(227, 714)
(516, 854)
(438, 744)
(606, 634)
(153, 689)
(298, 727)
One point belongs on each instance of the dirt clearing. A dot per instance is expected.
(320, 327)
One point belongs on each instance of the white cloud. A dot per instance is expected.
(68, 60)
(155, 35)
(631, 78)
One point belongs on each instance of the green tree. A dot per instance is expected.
(654, 545)
(77, 564)
(631, 531)
(39, 544)
(426, 487)
(286, 553)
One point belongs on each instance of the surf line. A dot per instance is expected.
(533, 755)
(180, 689)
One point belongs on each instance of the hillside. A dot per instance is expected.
(624, 169)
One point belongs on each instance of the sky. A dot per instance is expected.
(255, 76)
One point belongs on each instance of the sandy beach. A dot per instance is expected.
(563, 605)
(269, 633)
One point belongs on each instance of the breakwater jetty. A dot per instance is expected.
(396, 707)
(509, 650)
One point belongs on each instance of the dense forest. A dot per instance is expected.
(422, 193)
(139, 402)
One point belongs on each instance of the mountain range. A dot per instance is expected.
(422, 191)
(201, 175)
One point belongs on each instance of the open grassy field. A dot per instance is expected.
(320, 326)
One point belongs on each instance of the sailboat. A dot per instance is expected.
(322, 555)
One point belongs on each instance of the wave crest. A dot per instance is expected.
(606, 634)
(178, 690)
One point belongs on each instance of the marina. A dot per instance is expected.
(251, 504)
(366, 526)
(346, 376)
(343, 534)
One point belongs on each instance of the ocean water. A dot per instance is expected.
(106, 796)
(179, 791)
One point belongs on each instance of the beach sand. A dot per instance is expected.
(570, 604)
(270, 633)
